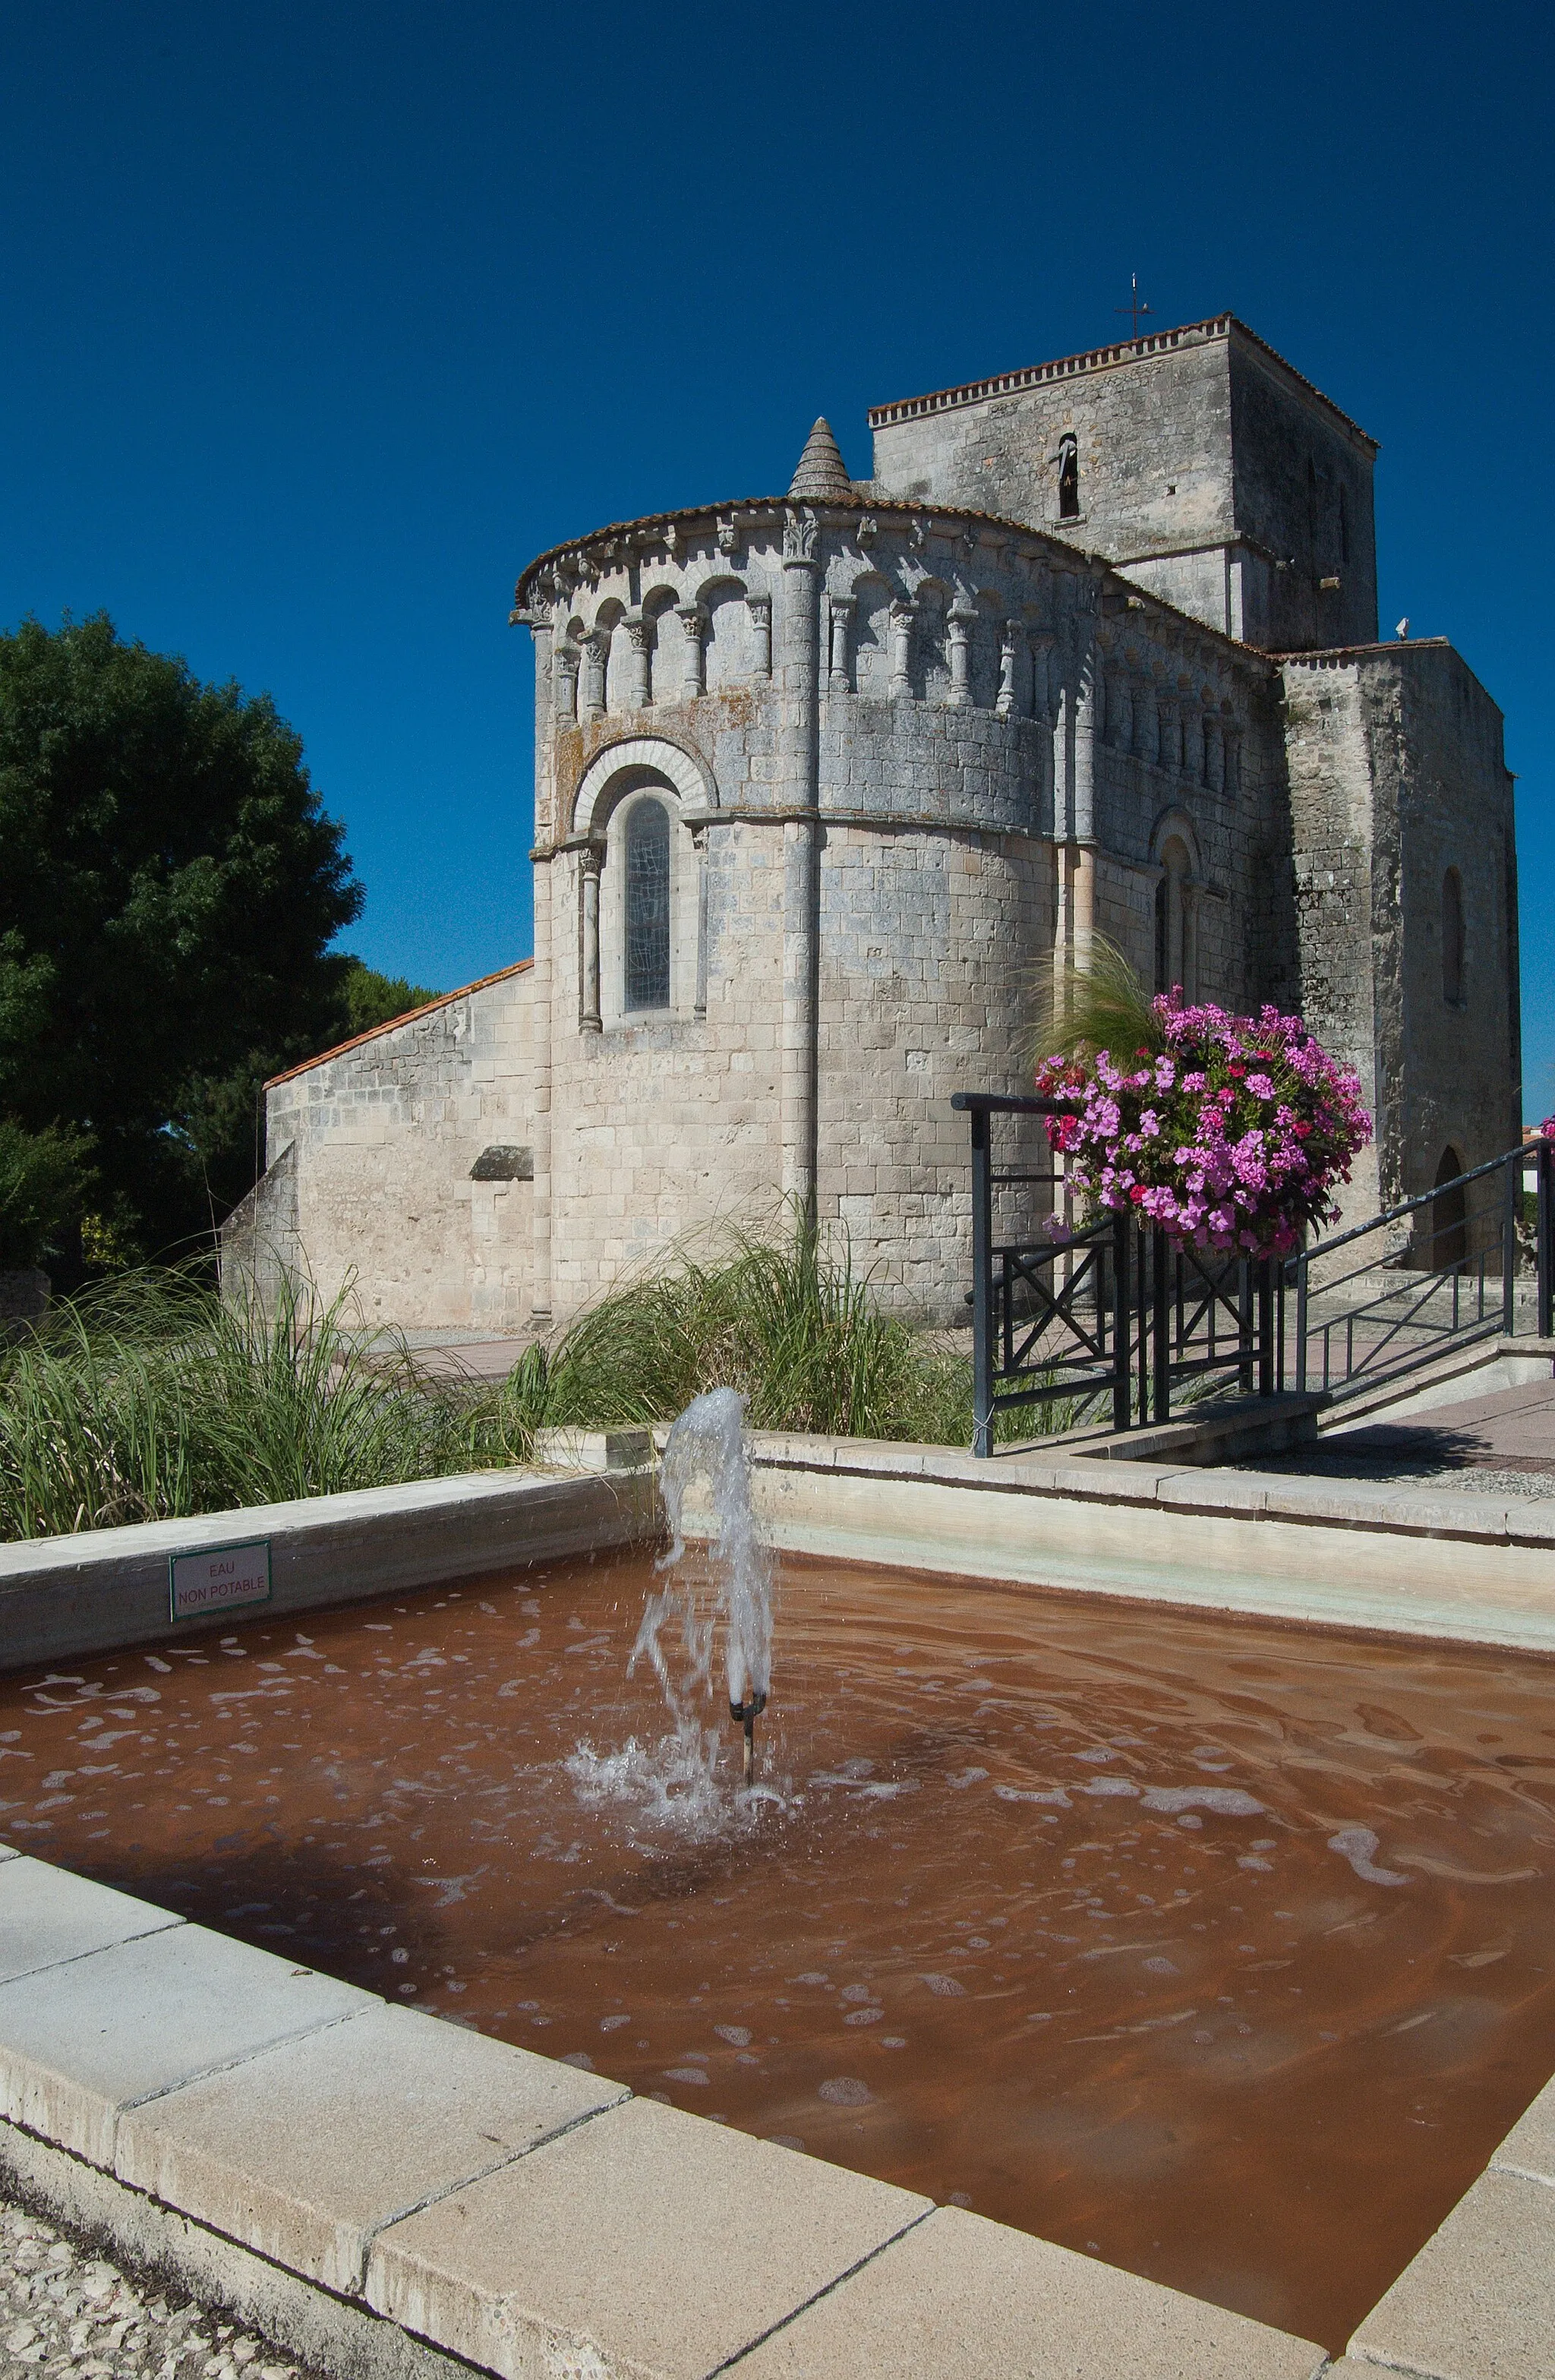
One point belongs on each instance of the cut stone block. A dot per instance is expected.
(47, 1916)
(1479, 2302)
(79, 2042)
(959, 2295)
(647, 2241)
(307, 2151)
(1530, 2148)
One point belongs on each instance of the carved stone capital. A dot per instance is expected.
(801, 535)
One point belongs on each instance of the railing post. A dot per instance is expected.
(1245, 1324)
(1266, 1327)
(1511, 1183)
(1123, 1399)
(1544, 1162)
(982, 1285)
(1300, 1322)
(1160, 1324)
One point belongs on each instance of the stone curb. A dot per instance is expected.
(1402, 1561)
(392, 2197)
(105, 1589)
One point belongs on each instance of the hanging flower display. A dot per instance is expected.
(1229, 1132)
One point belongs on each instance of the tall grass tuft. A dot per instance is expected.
(148, 1398)
(1101, 1006)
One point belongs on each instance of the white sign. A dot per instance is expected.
(218, 1579)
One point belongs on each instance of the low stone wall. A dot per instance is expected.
(1339, 1553)
(91, 1593)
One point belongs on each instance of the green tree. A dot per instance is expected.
(169, 887)
(370, 999)
(43, 1183)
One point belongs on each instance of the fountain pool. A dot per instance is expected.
(1219, 1950)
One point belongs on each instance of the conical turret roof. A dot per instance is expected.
(821, 474)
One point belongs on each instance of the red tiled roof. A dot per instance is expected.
(393, 1024)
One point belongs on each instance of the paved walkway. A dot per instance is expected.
(1501, 1445)
(65, 2309)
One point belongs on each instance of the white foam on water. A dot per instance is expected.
(1358, 1845)
(1226, 1800)
(673, 1786)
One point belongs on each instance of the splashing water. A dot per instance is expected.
(708, 1442)
(725, 1603)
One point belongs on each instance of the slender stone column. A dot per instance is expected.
(596, 662)
(1119, 695)
(567, 666)
(902, 618)
(693, 620)
(1009, 648)
(799, 677)
(840, 608)
(1214, 755)
(1088, 700)
(1170, 753)
(760, 610)
(588, 863)
(1193, 741)
(546, 827)
(958, 629)
(1233, 760)
(638, 634)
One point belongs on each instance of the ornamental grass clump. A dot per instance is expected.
(1227, 1131)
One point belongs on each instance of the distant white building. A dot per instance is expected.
(820, 779)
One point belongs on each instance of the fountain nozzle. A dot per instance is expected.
(747, 1714)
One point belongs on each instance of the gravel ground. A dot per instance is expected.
(64, 2308)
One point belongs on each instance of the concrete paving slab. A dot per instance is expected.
(6, 1852)
(1530, 2148)
(960, 2297)
(647, 2241)
(47, 1916)
(1532, 1523)
(307, 2151)
(1479, 2302)
(81, 2041)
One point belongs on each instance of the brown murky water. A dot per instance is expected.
(1011, 1931)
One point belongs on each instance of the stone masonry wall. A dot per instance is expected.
(1396, 775)
(1209, 470)
(369, 1154)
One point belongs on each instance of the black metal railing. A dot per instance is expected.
(1110, 1317)
(1430, 1275)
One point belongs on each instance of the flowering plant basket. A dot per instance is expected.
(1227, 1131)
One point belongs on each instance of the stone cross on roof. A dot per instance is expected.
(821, 474)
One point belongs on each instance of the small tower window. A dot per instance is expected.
(1068, 478)
(648, 907)
(1453, 939)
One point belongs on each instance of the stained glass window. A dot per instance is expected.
(648, 907)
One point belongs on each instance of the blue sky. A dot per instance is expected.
(322, 320)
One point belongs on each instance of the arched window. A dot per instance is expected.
(648, 907)
(1175, 956)
(1453, 939)
(1068, 476)
(1448, 1214)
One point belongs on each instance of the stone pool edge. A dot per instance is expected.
(106, 1588)
(1398, 1560)
(272, 2160)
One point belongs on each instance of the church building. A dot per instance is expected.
(826, 781)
